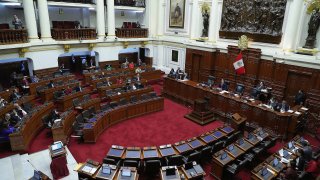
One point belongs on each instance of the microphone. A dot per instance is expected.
(33, 166)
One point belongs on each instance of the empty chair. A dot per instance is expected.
(111, 161)
(109, 92)
(238, 135)
(92, 111)
(210, 81)
(239, 89)
(133, 99)
(152, 167)
(217, 146)
(105, 107)
(195, 156)
(99, 84)
(144, 97)
(153, 94)
(175, 160)
(86, 97)
(206, 154)
(113, 104)
(86, 115)
(76, 103)
(132, 163)
(123, 101)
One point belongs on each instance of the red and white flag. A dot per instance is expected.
(239, 65)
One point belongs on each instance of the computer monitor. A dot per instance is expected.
(275, 162)
(126, 172)
(239, 88)
(171, 171)
(223, 155)
(231, 147)
(250, 136)
(285, 153)
(106, 170)
(240, 141)
(264, 171)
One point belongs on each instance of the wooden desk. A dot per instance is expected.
(88, 170)
(62, 130)
(182, 147)
(245, 146)
(188, 92)
(9, 107)
(195, 143)
(150, 153)
(167, 150)
(253, 140)
(208, 138)
(195, 172)
(218, 134)
(116, 152)
(227, 130)
(235, 152)
(219, 164)
(128, 94)
(257, 173)
(21, 139)
(33, 86)
(102, 176)
(164, 176)
(275, 167)
(132, 153)
(134, 174)
(65, 102)
(47, 94)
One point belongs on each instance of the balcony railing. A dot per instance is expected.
(69, 34)
(75, 1)
(13, 36)
(132, 32)
(132, 3)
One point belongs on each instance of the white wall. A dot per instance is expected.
(6, 15)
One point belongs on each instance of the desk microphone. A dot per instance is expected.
(32, 165)
(36, 174)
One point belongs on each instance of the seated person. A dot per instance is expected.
(125, 64)
(61, 67)
(78, 88)
(34, 79)
(172, 74)
(51, 84)
(108, 67)
(273, 103)
(15, 95)
(108, 82)
(300, 98)
(291, 172)
(5, 130)
(138, 70)
(128, 81)
(260, 86)
(3, 102)
(305, 155)
(131, 66)
(223, 85)
(21, 113)
(284, 107)
(133, 87)
(25, 85)
(179, 74)
(13, 118)
(54, 116)
(210, 82)
(138, 78)
(68, 90)
(139, 63)
(119, 80)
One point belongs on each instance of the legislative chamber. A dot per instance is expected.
(165, 89)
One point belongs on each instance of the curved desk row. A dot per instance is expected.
(128, 94)
(65, 102)
(188, 91)
(102, 89)
(61, 130)
(105, 119)
(9, 107)
(33, 86)
(47, 94)
(29, 128)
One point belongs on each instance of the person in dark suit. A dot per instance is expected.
(290, 173)
(68, 90)
(305, 155)
(15, 118)
(5, 130)
(21, 113)
(108, 83)
(260, 86)
(15, 95)
(23, 69)
(273, 103)
(284, 107)
(223, 85)
(78, 88)
(300, 98)
(51, 84)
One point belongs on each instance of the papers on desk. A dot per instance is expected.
(264, 90)
(223, 92)
(119, 93)
(283, 160)
(281, 152)
(267, 106)
(290, 111)
(297, 113)
(87, 169)
(304, 108)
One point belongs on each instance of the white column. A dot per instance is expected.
(195, 20)
(30, 18)
(44, 20)
(290, 33)
(161, 14)
(111, 19)
(101, 29)
(213, 23)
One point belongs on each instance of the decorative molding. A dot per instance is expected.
(125, 44)
(144, 43)
(66, 48)
(22, 52)
(91, 46)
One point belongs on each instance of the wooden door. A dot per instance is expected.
(195, 67)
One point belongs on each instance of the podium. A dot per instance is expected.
(238, 122)
(200, 114)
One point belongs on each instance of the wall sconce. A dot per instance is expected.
(22, 52)
(143, 43)
(125, 44)
(66, 47)
(61, 11)
(91, 46)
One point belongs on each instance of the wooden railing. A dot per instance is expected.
(132, 3)
(67, 34)
(75, 1)
(132, 32)
(13, 36)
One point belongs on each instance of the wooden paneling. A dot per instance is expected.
(132, 57)
(114, 64)
(284, 79)
(45, 72)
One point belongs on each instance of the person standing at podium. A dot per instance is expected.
(300, 98)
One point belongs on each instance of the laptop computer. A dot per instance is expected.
(223, 156)
(106, 170)
(126, 172)
(264, 171)
(231, 147)
(275, 162)
(240, 141)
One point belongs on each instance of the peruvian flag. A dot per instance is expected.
(239, 65)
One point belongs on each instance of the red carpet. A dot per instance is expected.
(165, 127)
